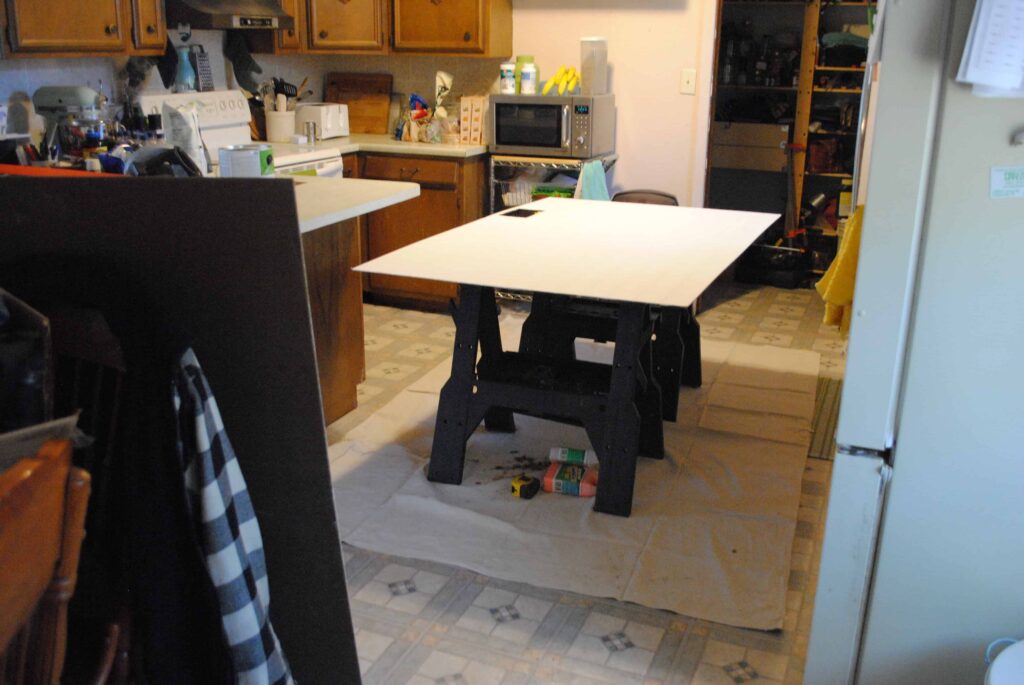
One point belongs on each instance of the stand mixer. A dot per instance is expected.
(73, 115)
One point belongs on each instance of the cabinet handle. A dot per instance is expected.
(150, 29)
(436, 2)
(291, 32)
(110, 29)
(407, 174)
(323, 34)
(467, 36)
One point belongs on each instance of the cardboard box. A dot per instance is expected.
(477, 120)
(465, 117)
(748, 157)
(753, 135)
(758, 147)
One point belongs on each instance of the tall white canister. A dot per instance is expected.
(594, 65)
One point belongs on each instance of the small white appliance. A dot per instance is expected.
(224, 120)
(331, 119)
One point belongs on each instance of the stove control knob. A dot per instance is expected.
(580, 140)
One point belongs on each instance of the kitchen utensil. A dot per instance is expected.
(368, 97)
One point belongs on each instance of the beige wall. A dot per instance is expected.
(661, 138)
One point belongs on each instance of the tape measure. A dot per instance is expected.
(525, 487)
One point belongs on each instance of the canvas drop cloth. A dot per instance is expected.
(712, 525)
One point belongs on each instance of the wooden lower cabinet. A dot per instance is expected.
(451, 194)
(336, 308)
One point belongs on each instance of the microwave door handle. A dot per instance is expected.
(566, 137)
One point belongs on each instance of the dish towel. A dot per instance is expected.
(592, 184)
(228, 532)
(836, 286)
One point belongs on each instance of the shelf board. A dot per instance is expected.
(848, 91)
(828, 174)
(781, 89)
(760, 3)
(819, 67)
(849, 3)
(831, 133)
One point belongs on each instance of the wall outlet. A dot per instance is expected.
(688, 82)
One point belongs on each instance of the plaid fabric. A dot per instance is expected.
(227, 529)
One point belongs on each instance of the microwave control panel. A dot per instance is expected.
(581, 130)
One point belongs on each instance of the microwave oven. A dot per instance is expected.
(575, 126)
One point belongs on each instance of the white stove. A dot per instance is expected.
(224, 120)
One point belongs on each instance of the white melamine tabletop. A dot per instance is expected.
(653, 254)
(324, 201)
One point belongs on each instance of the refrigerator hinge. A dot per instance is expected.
(857, 451)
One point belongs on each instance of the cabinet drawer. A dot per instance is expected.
(416, 169)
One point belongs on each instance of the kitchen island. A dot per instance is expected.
(328, 209)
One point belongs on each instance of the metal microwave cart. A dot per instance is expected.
(516, 180)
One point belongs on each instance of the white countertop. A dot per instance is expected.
(325, 201)
(378, 142)
(654, 254)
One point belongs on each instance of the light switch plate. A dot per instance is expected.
(688, 82)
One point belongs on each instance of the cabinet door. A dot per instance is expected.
(149, 30)
(347, 25)
(434, 211)
(80, 26)
(288, 40)
(441, 25)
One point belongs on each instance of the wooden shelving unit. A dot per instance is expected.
(807, 98)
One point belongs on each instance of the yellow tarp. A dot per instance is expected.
(836, 286)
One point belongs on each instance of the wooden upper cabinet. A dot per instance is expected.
(79, 26)
(289, 40)
(348, 25)
(480, 27)
(149, 27)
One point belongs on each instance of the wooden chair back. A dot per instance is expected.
(42, 513)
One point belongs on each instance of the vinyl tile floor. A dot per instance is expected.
(425, 623)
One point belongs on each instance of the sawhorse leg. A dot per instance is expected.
(668, 359)
(497, 419)
(454, 411)
(690, 330)
(620, 433)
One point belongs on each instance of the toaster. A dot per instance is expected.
(331, 118)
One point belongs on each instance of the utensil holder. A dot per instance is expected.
(280, 126)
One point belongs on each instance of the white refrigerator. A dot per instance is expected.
(923, 556)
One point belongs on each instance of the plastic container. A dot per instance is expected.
(593, 65)
(569, 455)
(528, 80)
(521, 61)
(571, 479)
(507, 82)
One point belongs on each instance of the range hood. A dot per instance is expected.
(229, 14)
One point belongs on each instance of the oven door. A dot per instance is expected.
(532, 126)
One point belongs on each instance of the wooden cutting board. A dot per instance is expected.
(368, 97)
